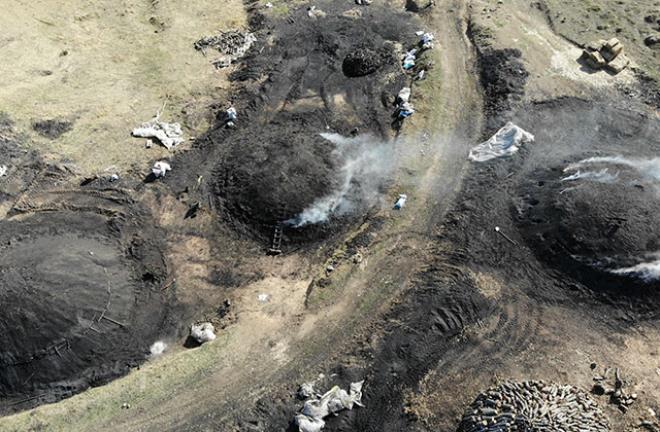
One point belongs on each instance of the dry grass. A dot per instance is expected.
(108, 65)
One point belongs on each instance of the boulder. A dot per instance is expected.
(652, 41)
(618, 64)
(611, 49)
(596, 45)
(593, 59)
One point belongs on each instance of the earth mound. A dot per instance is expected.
(81, 302)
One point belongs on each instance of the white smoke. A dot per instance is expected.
(649, 168)
(647, 271)
(366, 163)
(602, 176)
(157, 348)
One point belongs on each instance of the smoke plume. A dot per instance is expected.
(649, 168)
(647, 271)
(602, 176)
(365, 164)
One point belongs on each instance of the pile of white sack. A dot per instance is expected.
(169, 134)
(202, 332)
(505, 142)
(335, 400)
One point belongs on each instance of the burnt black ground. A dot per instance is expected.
(443, 302)
(52, 128)
(502, 76)
(273, 164)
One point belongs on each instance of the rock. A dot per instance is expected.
(596, 45)
(593, 59)
(611, 49)
(593, 365)
(651, 19)
(314, 13)
(618, 64)
(352, 13)
(652, 41)
(516, 406)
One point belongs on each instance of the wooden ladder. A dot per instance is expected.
(276, 245)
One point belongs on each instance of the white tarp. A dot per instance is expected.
(335, 400)
(504, 143)
(409, 59)
(169, 134)
(157, 348)
(427, 40)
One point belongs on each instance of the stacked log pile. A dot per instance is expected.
(533, 406)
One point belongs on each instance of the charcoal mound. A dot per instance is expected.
(592, 222)
(533, 406)
(265, 181)
(272, 163)
(360, 62)
(81, 303)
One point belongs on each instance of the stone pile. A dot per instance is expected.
(533, 406)
(606, 54)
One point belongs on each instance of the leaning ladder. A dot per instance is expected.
(276, 245)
